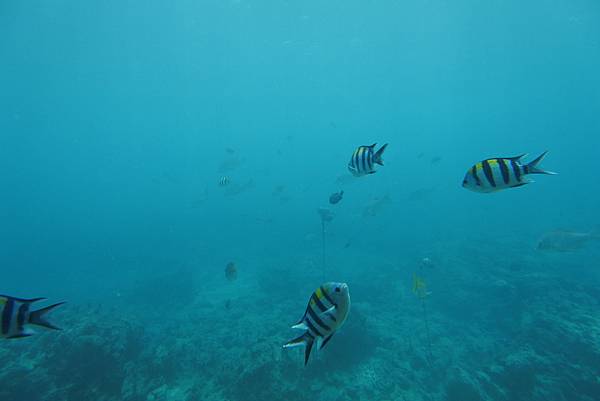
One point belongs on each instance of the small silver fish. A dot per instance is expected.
(325, 314)
(566, 241)
(15, 315)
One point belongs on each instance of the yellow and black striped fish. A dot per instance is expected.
(15, 315)
(326, 312)
(364, 158)
(500, 173)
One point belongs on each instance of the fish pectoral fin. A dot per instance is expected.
(300, 326)
(516, 158)
(325, 341)
(328, 311)
(329, 314)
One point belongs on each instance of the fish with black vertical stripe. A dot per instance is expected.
(326, 312)
(15, 315)
(364, 159)
(496, 174)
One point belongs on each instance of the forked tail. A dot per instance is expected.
(305, 339)
(378, 156)
(37, 317)
(532, 168)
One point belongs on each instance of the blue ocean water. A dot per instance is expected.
(120, 120)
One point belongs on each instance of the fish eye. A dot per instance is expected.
(337, 289)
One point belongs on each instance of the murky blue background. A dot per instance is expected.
(119, 118)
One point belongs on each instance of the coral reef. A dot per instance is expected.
(509, 334)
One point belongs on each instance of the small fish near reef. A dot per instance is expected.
(16, 316)
(336, 197)
(325, 314)
(492, 175)
(364, 159)
(231, 271)
(419, 287)
(566, 241)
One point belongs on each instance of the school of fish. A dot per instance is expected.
(329, 305)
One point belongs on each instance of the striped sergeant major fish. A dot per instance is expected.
(326, 312)
(15, 315)
(500, 173)
(223, 181)
(364, 158)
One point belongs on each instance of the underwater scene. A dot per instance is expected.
(258, 200)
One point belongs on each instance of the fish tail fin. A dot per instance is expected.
(305, 339)
(378, 156)
(309, 344)
(532, 168)
(37, 317)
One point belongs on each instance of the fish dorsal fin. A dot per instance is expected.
(516, 158)
(22, 300)
(372, 146)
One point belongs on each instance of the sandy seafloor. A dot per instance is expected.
(520, 327)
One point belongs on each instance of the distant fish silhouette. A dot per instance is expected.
(223, 181)
(326, 214)
(566, 241)
(229, 165)
(419, 287)
(427, 263)
(278, 190)
(336, 197)
(231, 271)
(376, 206)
